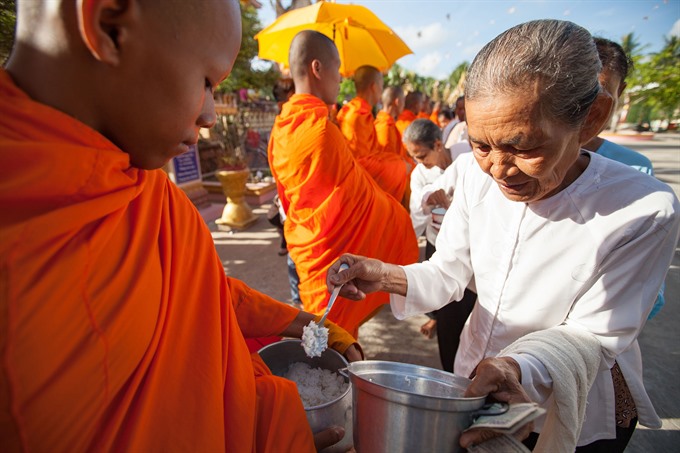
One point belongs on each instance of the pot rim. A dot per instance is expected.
(411, 398)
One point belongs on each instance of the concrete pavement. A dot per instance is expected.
(251, 256)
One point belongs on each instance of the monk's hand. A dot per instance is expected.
(500, 378)
(342, 341)
(354, 353)
(365, 276)
(329, 436)
(438, 198)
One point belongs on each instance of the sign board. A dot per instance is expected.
(186, 168)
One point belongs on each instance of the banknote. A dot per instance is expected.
(500, 444)
(516, 416)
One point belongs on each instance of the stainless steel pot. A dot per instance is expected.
(338, 412)
(399, 407)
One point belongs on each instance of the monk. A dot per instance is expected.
(412, 106)
(332, 204)
(386, 132)
(355, 119)
(434, 115)
(119, 330)
(425, 108)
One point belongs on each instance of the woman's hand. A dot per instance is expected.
(438, 198)
(500, 378)
(365, 276)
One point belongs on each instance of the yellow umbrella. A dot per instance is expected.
(361, 38)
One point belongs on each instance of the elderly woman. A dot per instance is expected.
(568, 249)
(423, 141)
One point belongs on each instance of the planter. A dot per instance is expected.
(236, 213)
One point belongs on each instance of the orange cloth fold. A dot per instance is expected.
(405, 118)
(333, 207)
(434, 117)
(387, 169)
(118, 327)
(386, 133)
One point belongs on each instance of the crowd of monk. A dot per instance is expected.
(119, 330)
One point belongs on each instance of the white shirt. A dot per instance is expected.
(457, 135)
(420, 178)
(592, 256)
(446, 182)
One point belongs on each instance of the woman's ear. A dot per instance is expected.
(103, 25)
(597, 116)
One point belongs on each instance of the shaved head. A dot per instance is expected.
(365, 76)
(307, 46)
(413, 101)
(392, 93)
(115, 65)
(314, 65)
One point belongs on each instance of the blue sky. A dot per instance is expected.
(442, 34)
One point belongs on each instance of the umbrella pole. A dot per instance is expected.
(333, 32)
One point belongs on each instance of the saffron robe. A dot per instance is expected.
(434, 117)
(387, 134)
(333, 207)
(388, 169)
(405, 118)
(119, 330)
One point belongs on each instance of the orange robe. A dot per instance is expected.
(434, 117)
(333, 206)
(118, 329)
(388, 169)
(405, 118)
(423, 116)
(387, 134)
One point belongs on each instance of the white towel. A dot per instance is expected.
(572, 357)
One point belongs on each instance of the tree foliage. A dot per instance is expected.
(8, 19)
(659, 78)
(457, 73)
(347, 90)
(243, 75)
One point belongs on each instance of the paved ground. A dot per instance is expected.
(251, 256)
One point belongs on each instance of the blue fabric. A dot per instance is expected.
(293, 280)
(626, 156)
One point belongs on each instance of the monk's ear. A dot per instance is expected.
(316, 68)
(104, 25)
(597, 115)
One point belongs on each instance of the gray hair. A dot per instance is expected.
(558, 55)
(423, 132)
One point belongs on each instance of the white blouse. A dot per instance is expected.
(421, 177)
(592, 256)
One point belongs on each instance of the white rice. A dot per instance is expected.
(315, 385)
(314, 339)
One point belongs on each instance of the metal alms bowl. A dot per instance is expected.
(338, 412)
(400, 407)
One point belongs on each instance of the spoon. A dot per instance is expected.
(334, 295)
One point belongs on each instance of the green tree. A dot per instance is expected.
(8, 19)
(457, 73)
(243, 75)
(347, 90)
(662, 77)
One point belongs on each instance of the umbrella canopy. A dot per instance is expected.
(361, 38)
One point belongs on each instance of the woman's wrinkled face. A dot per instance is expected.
(529, 156)
(422, 154)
